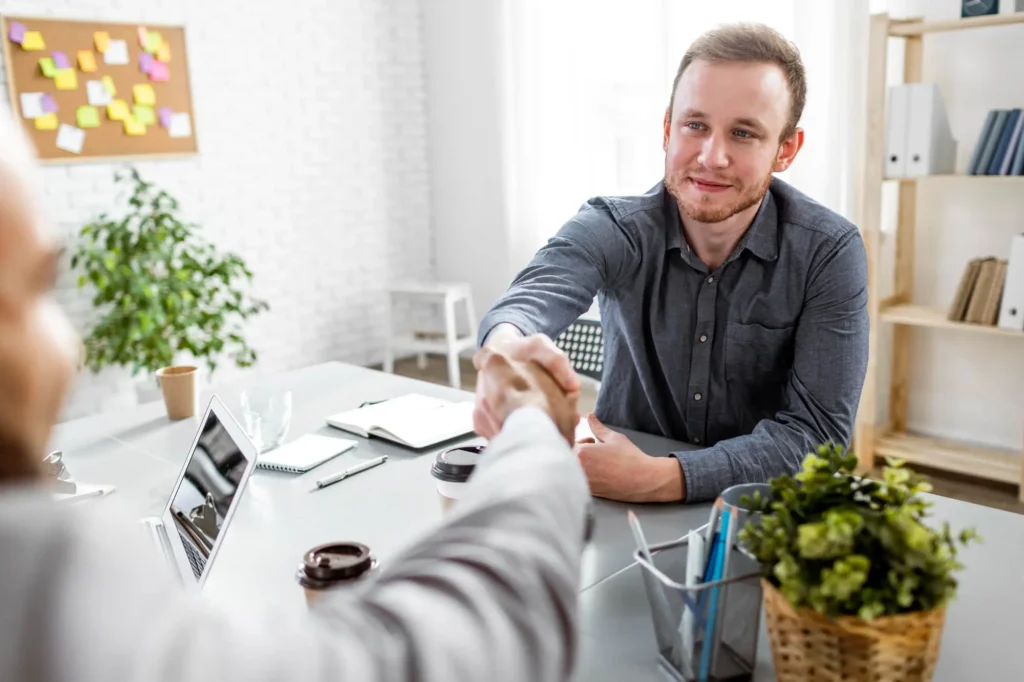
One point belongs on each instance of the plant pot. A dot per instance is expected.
(178, 385)
(808, 647)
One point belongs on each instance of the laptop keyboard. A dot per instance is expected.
(195, 557)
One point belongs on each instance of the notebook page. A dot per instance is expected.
(430, 426)
(390, 412)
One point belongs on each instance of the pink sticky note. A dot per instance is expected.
(158, 71)
(145, 62)
(143, 37)
(49, 104)
(60, 60)
(164, 114)
(17, 32)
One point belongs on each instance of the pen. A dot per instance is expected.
(351, 471)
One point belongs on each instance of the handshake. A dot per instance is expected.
(516, 371)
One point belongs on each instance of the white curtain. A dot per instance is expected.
(586, 84)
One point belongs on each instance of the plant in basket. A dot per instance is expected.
(855, 583)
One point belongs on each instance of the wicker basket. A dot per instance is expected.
(808, 647)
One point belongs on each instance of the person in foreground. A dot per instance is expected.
(490, 595)
(734, 307)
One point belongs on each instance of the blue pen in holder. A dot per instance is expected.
(724, 606)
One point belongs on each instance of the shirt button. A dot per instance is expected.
(703, 338)
(710, 280)
(696, 440)
(697, 396)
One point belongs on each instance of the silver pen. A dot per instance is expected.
(351, 471)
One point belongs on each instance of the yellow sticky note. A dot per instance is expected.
(47, 122)
(108, 83)
(118, 110)
(66, 79)
(153, 41)
(33, 41)
(144, 94)
(133, 127)
(163, 53)
(87, 117)
(86, 61)
(101, 39)
(47, 66)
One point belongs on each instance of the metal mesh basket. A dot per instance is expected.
(732, 653)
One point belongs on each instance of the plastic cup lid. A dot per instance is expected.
(336, 561)
(456, 464)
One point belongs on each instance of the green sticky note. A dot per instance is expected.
(48, 67)
(153, 40)
(144, 114)
(88, 117)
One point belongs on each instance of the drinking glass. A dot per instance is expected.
(268, 415)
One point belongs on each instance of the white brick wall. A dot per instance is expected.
(312, 165)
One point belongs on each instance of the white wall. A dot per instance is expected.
(462, 47)
(963, 386)
(313, 164)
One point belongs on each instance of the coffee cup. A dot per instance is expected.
(452, 469)
(335, 567)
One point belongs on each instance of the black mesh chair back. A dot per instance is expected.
(583, 342)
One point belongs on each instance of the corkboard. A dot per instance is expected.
(109, 140)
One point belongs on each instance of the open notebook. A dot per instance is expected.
(414, 420)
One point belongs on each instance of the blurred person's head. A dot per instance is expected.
(38, 348)
(732, 120)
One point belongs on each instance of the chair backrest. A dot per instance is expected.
(583, 342)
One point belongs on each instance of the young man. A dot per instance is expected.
(491, 595)
(734, 307)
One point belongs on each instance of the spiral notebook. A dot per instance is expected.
(304, 453)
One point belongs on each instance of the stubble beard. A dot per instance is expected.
(702, 211)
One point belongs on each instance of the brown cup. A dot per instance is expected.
(329, 568)
(452, 469)
(178, 384)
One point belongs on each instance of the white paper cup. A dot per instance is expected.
(452, 469)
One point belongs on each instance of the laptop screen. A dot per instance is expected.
(213, 475)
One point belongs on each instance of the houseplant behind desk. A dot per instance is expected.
(163, 293)
(855, 584)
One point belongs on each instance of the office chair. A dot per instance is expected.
(583, 342)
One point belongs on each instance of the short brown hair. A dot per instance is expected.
(744, 42)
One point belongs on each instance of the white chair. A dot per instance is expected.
(449, 344)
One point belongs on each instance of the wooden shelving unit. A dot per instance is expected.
(898, 314)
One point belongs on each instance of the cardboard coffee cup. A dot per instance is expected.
(452, 468)
(333, 567)
(178, 385)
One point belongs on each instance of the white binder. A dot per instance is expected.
(930, 149)
(896, 131)
(1011, 310)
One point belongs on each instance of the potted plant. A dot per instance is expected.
(164, 295)
(855, 583)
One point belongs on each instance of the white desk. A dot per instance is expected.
(390, 506)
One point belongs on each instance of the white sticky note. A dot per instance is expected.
(117, 52)
(70, 138)
(99, 96)
(32, 104)
(181, 125)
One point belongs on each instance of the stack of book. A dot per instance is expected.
(980, 292)
(1000, 147)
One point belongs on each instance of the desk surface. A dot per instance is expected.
(390, 506)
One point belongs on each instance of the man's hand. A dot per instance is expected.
(504, 385)
(618, 470)
(537, 349)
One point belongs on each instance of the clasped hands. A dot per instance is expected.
(516, 371)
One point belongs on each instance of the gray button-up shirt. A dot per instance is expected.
(760, 360)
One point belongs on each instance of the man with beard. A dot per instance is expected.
(734, 307)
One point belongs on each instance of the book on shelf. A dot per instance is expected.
(999, 149)
(979, 293)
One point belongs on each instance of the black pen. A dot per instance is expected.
(352, 471)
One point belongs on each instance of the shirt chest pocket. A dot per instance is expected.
(758, 358)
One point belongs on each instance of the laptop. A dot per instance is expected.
(192, 527)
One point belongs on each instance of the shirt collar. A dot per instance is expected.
(761, 238)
